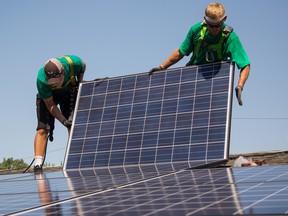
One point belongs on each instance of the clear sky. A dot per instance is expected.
(125, 37)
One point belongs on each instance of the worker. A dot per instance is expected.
(57, 85)
(212, 41)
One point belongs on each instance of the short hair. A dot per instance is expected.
(215, 11)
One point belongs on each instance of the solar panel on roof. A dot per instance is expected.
(217, 191)
(179, 117)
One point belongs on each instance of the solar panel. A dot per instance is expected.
(258, 190)
(174, 119)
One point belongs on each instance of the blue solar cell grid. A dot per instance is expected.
(172, 116)
(217, 191)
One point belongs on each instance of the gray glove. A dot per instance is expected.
(67, 123)
(238, 91)
(159, 68)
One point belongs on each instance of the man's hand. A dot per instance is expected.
(67, 123)
(238, 91)
(159, 68)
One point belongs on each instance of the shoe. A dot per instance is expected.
(38, 169)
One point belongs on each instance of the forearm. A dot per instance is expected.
(55, 112)
(80, 77)
(172, 59)
(244, 74)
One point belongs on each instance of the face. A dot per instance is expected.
(214, 28)
(57, 82)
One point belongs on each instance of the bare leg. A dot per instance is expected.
(40, 142)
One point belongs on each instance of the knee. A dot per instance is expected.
(42, 133)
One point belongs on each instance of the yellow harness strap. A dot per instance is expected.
(72, 78)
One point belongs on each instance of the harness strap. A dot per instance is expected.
(200, 40)
(72, 77)
(202, 35)
(218, 47)
(211, 47)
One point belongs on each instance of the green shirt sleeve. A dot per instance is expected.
(191, 40)
(44, 90)
(235, 51)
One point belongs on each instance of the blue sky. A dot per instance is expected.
(126, 37)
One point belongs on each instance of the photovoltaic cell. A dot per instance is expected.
(177, 116)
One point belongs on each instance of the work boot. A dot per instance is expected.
(38, 169)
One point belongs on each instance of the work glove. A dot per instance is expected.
(67, 123)
(159, 68)
(238, 91)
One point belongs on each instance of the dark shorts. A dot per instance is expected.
(65, 102)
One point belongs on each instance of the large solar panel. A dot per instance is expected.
(173, 119)
(215, 191)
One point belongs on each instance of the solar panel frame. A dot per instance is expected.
(135, 116)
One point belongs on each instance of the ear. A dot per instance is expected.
(224, 19)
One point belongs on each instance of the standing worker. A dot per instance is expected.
(212, 41)
(57, 84)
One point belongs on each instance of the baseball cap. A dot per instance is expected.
(53, 70)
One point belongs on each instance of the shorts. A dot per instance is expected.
(66, 104)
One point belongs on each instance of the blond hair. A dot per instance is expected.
(215, 11)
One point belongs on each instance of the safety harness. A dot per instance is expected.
(212, 49)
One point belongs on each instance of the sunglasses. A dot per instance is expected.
(214, 26)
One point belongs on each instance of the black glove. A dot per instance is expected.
(159, 68)
(67, 123)
(238, 91)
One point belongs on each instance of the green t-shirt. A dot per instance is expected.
(232, 47)
(45, 91)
